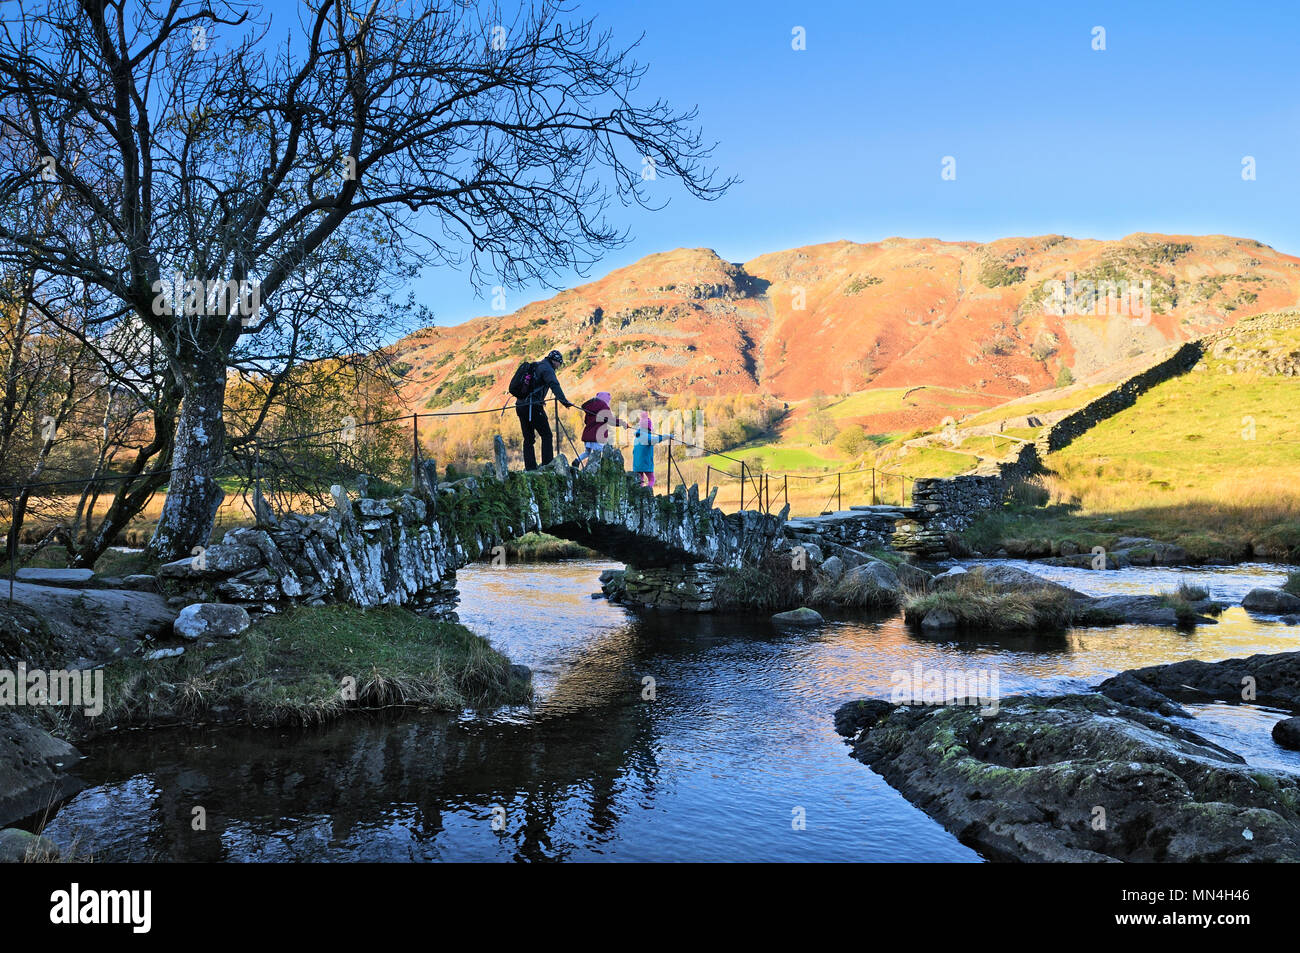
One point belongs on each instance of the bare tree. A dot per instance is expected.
(222, 175)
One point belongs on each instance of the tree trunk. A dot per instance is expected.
(193, 495)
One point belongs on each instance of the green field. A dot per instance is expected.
(1043, 405)
(1213, 455)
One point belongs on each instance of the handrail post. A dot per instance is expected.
(873, 486)
(669, 488)
(787, 489)
(743, 468)
(839, 491)
(708, 472)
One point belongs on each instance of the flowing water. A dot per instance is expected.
(734, 758)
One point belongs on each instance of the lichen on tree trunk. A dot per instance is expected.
(193, 494)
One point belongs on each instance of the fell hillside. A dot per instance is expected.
(948, 327)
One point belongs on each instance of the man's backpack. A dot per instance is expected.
(521, 385)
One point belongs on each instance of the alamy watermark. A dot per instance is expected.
(192, 296)
(938, 686)
(78, 688)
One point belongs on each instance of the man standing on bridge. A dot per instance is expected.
(531, 408)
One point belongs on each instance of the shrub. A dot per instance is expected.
(996, 273)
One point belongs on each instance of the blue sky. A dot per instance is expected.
(844, 140)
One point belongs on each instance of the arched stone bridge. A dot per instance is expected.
(406, 550)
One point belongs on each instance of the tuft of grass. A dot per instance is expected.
(1191, 593)
(542, 547)
(1181, 601)
(311, 665)
(978, 604)
(1292, 584)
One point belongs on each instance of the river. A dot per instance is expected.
(733, 758)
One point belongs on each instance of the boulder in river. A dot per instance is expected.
(1271, 601)
(852, 717)
(1287, 733)
(801, 616)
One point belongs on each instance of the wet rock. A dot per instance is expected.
(211, 620)
(852, 717)
(1268, 600)
(874, 572)
(1005, 578)
(17, 845)
(33, 769)
(141, 582)
(1028, 784)
(1130, 691)
(1267, 679)
(1151, 554)
(1084, 561)
(800, 616)
(945, 579)
(1141, 610)
(1287, 733)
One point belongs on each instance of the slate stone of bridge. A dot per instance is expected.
(406, 550)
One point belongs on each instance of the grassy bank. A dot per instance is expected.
(308, 666)
(1210, 532)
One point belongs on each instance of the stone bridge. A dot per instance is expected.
(406, 550)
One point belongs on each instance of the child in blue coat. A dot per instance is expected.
(643, 451)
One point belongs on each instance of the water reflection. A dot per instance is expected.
(735, 746)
